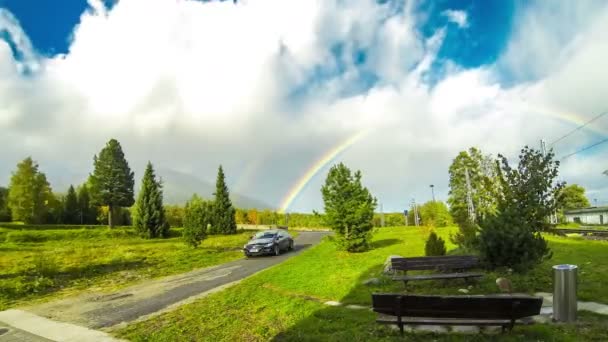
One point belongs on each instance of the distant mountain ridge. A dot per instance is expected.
(178, 187)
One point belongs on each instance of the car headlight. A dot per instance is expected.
(268, 245)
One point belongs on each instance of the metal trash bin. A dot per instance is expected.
(564, 293)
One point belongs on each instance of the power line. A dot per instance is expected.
(584, 149)
(579, 127)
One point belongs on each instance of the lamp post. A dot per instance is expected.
(433, 191)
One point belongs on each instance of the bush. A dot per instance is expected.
(434, 245)
(198, 215)
(507, 240)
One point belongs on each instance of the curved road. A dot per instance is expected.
(149, 298)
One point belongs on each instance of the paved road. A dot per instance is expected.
(107, 310)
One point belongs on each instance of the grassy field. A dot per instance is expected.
(43, 264)
(284, 303)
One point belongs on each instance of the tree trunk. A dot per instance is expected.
(110, 210)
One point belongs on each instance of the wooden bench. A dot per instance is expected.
(492, 310)
(450, 267)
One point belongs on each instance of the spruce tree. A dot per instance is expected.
(150, 218)
(70, 207)
(30, 193)
(198, 215)
(87, 212)
(349, 208)
(224, 218)
(112, 180)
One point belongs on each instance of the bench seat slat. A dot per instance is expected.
(438, 276)
(383, 319)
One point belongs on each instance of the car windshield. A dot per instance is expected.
(265, 235)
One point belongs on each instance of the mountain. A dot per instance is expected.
(178, 187)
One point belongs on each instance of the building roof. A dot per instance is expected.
(586, 210)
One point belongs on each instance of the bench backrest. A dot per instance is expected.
(490, 307)
(435, 263)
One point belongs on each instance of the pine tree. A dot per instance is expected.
(349, 208)
(150, 218)
(5, 212)
(112, 180)
(30, 193)
(70, 207)
(434, 246)
(224, 217)
(87, 212)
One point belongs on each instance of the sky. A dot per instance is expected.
(267, 88)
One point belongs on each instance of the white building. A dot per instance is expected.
(592, 215)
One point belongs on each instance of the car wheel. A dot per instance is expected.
(291, 245)
(277, 250)
(247, 255)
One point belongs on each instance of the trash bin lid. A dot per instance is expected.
(565, 267)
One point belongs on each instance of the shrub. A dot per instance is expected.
(198, 215)
(434, 245)
(507, 240)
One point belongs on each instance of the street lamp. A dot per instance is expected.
(433, 191)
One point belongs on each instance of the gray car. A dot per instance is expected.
(269, 242)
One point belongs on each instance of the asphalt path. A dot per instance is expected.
(106, 310)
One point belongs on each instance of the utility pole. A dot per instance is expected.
(470, 207)
(416, 218)
(433, 191)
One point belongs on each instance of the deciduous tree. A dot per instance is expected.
(5, 212)
(572, 197)
(29, 194)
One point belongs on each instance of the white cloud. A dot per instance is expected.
(189, 85)
(459, 18)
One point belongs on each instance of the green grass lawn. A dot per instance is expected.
(46, 264)
(284, 303)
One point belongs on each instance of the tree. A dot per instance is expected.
(224, 216)
(112, 180)
(71, 212)
(484, 188)
(29, 194)
(349, 208)
(252, 216)
(572, 197)
(241, 216)
(434, 246)
(512, 236)
(87, 212)
(149, 218)
(5, 212)
(175, 215)
(198, 215)
(435, 214)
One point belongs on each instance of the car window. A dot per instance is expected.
(264, 235)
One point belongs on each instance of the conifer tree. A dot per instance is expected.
(224, 213)
(87, 212)
(198, 215)
(70, 207)
(150, 218)
(112, 180)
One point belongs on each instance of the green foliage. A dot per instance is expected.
(76, 233)
(71, 212)
(149, 218)
(512, 237)
(349, 208)
(435, 214)
(30, 193)
(175, 215)
(198, 217)
(87, 212)
(484, 189)
(224, 213)
(5, 212)
(507, 239)
(434, 245)
(112, 180)
(572, 197)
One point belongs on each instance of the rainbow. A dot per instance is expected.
(326, 158)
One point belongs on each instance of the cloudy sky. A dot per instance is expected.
(269, 87)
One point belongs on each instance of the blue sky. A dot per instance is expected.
(267, 87)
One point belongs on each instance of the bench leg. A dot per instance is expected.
(401, 328)
(405, 283)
